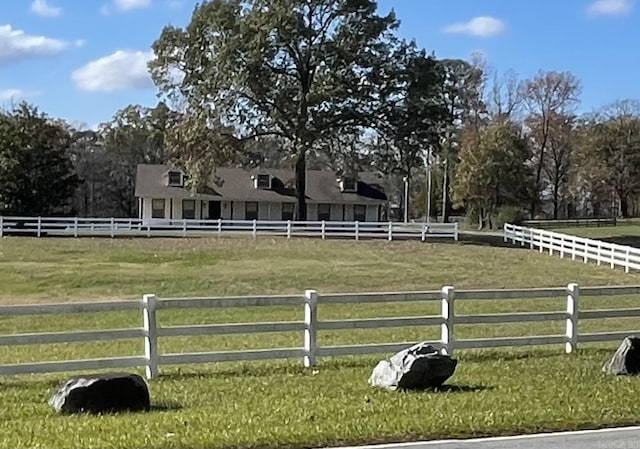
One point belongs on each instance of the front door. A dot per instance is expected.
(215, 210)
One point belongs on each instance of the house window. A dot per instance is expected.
(349, 185)
(251, 210)
(324, 212)
(264, 182)
(175, 178)
(360, 212)
(287, 211)
(189, 209)
(157, 208)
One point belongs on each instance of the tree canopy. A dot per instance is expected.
(297, 69)
(36, 171)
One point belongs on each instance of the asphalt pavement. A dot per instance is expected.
(619, 438)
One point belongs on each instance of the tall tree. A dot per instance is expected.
(492, 171)
(462, 96)
(135, 135)
(414, 125)
(611, 150)
(36, 172)
(297, 69)
(560, 144)
(547, 95)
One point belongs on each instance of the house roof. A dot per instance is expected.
(235, 184)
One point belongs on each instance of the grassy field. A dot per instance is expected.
(623, 234)
(279, 404)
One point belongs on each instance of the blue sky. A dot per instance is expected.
(82, 60)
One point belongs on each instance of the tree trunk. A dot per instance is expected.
(301, 185)
(624, 206)
(446, 203)
(556, 200)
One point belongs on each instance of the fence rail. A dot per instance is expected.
(570, 223)
(577, 248)
(131, 227)
(310, 324)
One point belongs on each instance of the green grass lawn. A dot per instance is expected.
(625, 233)
(279, 404)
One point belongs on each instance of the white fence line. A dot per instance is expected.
(131, 227)
(150, 330)
(577, 248)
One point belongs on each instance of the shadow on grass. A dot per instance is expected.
(625, 240)
(165, 406)
(481, 239)
(366, 363)
(446, 388)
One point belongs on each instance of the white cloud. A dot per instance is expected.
(16, 45)
(42, 8)
(483, 26)
(610, 7)
(125, 5)
(124, 69)
(11, 94)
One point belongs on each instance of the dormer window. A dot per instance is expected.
(349, 184)
(175, 179)
(262, 181)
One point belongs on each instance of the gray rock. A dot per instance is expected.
(626, 360)
(419, 367)
(102, 393)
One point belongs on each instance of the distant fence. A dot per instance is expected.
(570, 223)
(126, 227)
(577, 248)
(309, 325)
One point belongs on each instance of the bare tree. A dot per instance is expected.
(546, 95)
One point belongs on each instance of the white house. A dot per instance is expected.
(262, 194)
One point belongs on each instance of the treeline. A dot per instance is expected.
(328, 84)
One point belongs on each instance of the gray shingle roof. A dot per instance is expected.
(235, 184)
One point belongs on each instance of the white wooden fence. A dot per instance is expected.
(131, 227)
(310, 325)
(577, 248)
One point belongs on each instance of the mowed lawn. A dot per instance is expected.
(278, 404)
(625, 233)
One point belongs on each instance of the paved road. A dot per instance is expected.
(624, 438)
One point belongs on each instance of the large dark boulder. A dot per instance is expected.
(626, 360)
(102, 393)
(416, 368)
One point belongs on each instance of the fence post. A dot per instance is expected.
(1, 225)
(150, 329)
(75, 227)
(456, 235)
(448, 294)
(599, 253)
(113, 228)
(540, 241)
(184, 227)
(254, 231)
(573, 297)
(357, 230)
(148, 230)
(323, 229)
(574, 242)
(288, 229)
(613, 256)
(505, 229)
(310, 331)
(626, 260)
(424, 232)
(530, 238)
(219, 227)
(39, 226)
(390, 231)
